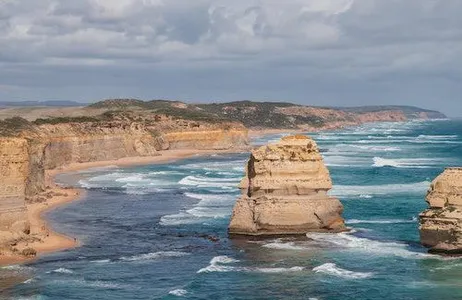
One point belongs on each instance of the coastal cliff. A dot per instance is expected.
(26, 157)
(285, 192)
(441, 224)
(14, 167)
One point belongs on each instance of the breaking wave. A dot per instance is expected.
(221, 264)
(349, 241)
(202, 181)
(405, 163)
(210, 206)
(62, 271)
(332, 269)
(283, 246)
(154, 255)
(361, 190)
(178, 292)
(391, 221)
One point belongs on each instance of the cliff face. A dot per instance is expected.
(211, 139)
(441, 224)
(25, 158)
(77, 143)
(285, 192)
(14, 167)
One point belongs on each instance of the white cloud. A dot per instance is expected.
(330, 40)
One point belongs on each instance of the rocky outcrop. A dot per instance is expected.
(285, 192)
(14, 167)
(441, 224)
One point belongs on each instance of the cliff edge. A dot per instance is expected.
(285, 192)
(441, 224)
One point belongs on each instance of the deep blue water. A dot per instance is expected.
(159, 231)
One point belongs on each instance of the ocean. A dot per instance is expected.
(160, 231)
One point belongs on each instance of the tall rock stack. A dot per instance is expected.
(441, 224)
(285, 192)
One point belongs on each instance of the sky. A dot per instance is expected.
(313, 52)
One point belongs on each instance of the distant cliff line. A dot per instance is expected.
(253, 115)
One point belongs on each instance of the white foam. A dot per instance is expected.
(216, 265)
(178, 292)
(283, 246)
(358, 190)
(351, 148)
(437, 137)
(279, 270)
(18, 268)
(391, 221)
(95, 284)
(406, 163)
(103, 284)
(345, 161)
(101, 261)
(29, 281)
(382, 162)
(212, 199)
(236, 165)
(349, 241)
(201, 181)
(223, 259)
(332, 269)
(62, 271)
(221, 264)
(154, 255)
(211, 206)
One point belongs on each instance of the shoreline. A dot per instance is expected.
(53, 241)
(47, 239)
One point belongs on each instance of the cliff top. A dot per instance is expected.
(257, 115)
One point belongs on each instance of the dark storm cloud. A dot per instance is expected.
(337, 52)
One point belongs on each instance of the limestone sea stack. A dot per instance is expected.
(285, 190)
(441, 224)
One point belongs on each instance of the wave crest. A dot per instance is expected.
(333, 269)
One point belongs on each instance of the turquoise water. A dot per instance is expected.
(159, 232)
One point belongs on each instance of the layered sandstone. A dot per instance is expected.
(25, 158)
(285, 192)
(14, 166)
(217, 139)
(441, 224)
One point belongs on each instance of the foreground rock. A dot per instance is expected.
(285, 192)
(441, 224)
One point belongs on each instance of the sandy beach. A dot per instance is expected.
(45, 239)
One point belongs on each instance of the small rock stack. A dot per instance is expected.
(441, 224)
(285, 190)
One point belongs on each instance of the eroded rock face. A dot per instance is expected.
(441, 224)
(14, 164)
(285, 192)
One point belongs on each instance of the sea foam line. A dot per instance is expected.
(221, 264)
(358, 190)
(154, 255)
(349, 241)
(334, 270)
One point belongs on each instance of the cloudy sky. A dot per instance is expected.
(320, 52)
